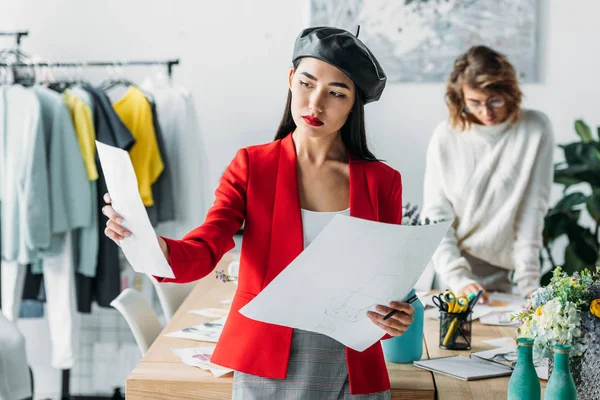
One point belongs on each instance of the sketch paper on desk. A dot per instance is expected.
(499, 319)
(211, 312)
(353, 265)
(207, 332)
(200, 357)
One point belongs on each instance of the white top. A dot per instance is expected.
(313, 222)
(186, 151)
(495, 181)
(24, 180)
(15, 382)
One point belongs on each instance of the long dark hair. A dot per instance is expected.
(353, 132)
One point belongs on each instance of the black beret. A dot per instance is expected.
(346, 52)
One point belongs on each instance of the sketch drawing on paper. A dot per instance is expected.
(418, 40)
(326, 328)
(354, 304)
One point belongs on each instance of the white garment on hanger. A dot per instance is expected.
(186, 152)
(15, 381)
(60, 299)
(24, 181)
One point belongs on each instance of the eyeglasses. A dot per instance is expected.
(476, 108)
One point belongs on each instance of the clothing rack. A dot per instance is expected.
(66, 373)
(18, 35)
(168, 63)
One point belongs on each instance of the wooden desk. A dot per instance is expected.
(160, 374)
(450, 388)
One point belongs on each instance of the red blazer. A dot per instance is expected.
(260, 186)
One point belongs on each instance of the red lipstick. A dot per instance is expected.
(313, 121)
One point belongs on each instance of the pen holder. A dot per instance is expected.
(455, 330)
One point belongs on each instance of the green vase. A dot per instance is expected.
(561, 385)
(524, 383)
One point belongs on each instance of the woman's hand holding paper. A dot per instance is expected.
(115, 230)
(397, 324)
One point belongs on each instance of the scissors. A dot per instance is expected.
(440, 303)
(444, 301)
(462, 304)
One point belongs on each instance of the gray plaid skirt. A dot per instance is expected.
(316, 370)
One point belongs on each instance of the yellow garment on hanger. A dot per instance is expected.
(86, 133)
(136, 113)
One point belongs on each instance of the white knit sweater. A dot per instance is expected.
(495, 182)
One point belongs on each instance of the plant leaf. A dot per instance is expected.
(586, 153)
(583, 244)
(572, 262)
(570, 201)
(547, 277)
(584, 131)
(593, 205)
(577, 174)
(555, 225)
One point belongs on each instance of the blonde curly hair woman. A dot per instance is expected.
(489, 166)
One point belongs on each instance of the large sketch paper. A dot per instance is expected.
(352, 266)
(141, 248)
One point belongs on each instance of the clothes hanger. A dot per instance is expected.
(24, 75)
(61, 83)
(115, 81)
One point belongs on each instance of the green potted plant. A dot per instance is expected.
(580, 176)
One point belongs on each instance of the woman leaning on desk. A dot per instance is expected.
(489, 166)
(286, 191)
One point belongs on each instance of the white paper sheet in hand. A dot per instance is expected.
(352, 266)
(141, 248)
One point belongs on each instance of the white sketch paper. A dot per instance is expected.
(207, 332)
(200, 357)
(141, 249)
(211, 312)
(352, 266)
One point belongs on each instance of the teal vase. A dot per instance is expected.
(409, 347)
(524, 383)
(561, 385)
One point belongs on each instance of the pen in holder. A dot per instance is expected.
(455, 330)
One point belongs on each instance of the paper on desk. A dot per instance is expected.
(141, 249)
(506, 302)
(207, 332)
(211, 312)
(500, 319)
(505, 342)
(352, 266)
(427, 299)
(200, 357)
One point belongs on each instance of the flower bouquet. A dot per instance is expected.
(567, 311)
(232, 272)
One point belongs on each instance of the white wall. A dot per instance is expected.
(235, 56)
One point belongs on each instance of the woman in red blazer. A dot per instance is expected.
(319, 161)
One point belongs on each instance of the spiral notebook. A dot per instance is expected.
(463, 368)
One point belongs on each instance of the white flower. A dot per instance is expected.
(553, 324)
